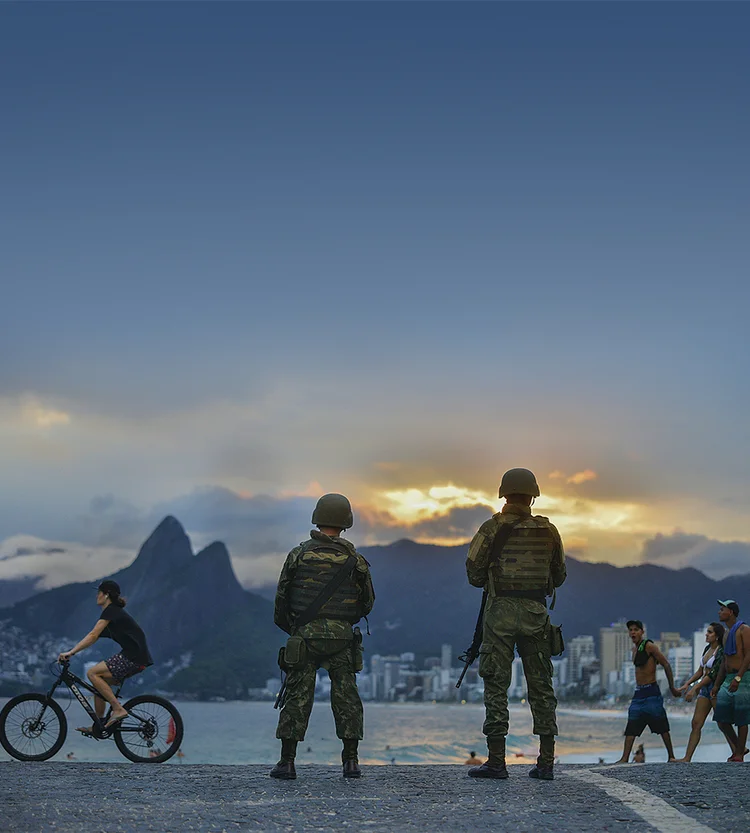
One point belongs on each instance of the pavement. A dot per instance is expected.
(122, 798)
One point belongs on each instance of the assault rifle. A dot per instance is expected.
(472, 652)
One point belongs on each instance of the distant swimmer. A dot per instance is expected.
(324, 590)
(731, 690)
(704, 679)
(518, 559)
(472, 760)
(114, 623)
(647, 705)
(639, 756)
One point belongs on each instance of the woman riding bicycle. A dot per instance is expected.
(134, 657)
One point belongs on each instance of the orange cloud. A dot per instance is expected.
(582, 477)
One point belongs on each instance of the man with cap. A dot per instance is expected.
(517, 578)
(324, 589)
(647, 706)
(731, 691)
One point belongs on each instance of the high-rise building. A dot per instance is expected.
(670, 639)
(581, 652)
(446, 657)
(681, 660)
(615, 648)
(699, 645)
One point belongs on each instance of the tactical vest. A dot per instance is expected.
(524, 563)
(316, 566)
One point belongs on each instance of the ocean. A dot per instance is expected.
(396, 734)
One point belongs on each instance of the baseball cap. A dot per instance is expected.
(636, 622)
(731, 604)
(111, 588)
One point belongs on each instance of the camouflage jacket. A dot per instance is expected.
(480, 549)
(321, 628)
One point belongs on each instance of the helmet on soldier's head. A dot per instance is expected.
(518, 482)
(333, 510)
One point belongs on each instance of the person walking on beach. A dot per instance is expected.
(704, 679)
(324, 589)
(114, 623)
(731, 689)
(647, 705)
(529, 565)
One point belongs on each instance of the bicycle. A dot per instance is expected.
(33, 727)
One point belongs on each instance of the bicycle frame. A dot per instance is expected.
(74, 683)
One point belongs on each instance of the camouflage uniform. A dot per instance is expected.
(517, 616)
(329, 641)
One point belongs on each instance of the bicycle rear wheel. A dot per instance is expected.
(32, 728)
(153, 731)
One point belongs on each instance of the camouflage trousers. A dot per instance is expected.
(335, 656)
(511, 622)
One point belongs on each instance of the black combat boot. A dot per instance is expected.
(546, 760)
(284, 769)
(350, 760)
(494, 766)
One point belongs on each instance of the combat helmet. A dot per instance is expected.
(518, 482)
(333, 510)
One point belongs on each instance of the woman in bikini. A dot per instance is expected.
(133, 657)
(704, 679)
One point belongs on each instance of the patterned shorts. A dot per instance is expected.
(734, 707)
(120, 667)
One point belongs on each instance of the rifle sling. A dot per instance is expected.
(338, 578)
(500, 540)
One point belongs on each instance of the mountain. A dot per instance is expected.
(423, 598)
(184, 603)
(194, 604)
(14, 590)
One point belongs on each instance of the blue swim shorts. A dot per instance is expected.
(647, 709)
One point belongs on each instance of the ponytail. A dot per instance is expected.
(117, 600)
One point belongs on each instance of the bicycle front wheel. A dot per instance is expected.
(32, 728)
(153, 731)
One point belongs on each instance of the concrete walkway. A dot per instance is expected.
(120, 798)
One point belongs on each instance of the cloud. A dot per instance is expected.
(35, 413)
(58, 562)
(582, 477)
(717, 559)
(576, 479)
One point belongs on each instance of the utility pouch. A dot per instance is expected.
(358, 651)
(295, 653)
(556, 642)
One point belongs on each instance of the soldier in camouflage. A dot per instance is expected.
(530, 566)
(328, 640)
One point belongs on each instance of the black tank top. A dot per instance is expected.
(641, 656)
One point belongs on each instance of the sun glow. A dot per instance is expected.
(413, 505)
(575, 517)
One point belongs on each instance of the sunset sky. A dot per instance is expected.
(252, 253)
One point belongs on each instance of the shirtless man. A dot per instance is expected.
(731, 692)
(647, 705)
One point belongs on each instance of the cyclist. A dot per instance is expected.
(134, 657)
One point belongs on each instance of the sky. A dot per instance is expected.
(252, 253)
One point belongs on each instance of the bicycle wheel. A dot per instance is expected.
(153, 731)
(32, 728)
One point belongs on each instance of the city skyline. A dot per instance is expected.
(256, 253)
